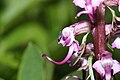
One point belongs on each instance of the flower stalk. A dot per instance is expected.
(90, 58)
(99, 33)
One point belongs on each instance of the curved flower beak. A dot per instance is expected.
(70, 52)
(82, 12)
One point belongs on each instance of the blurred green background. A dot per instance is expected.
(29, 28)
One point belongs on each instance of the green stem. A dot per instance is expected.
(90, 67)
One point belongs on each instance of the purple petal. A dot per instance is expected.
(98, 67)
(119, 26)
(61, 41)
(70, 36)
(108, 28)
(82, 12)
(111, 2)
(107, 65)
(66, 58)
(116, 43)
(96, 3)
(80, 3)
(67, 37)
(116, 67)
(81, 27)
(83, 64)
(88, 2)
(106, 56)
(72, 59)
(89, 48)
(108, 76)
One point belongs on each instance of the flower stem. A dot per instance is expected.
(90, 67)
(99, 34)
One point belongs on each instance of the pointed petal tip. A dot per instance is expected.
(43, 55)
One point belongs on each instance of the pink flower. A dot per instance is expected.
(88, 5)
(91, 5)
(116, 43)
(105, 66)
(67, 36)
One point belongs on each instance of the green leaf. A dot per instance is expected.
(24, 33)
(32, 67)
(14, 8)
(9, 60)
(2, 79)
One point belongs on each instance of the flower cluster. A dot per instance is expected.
(80, 54)
(67, 38)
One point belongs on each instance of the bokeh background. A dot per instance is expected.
(29, 28)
